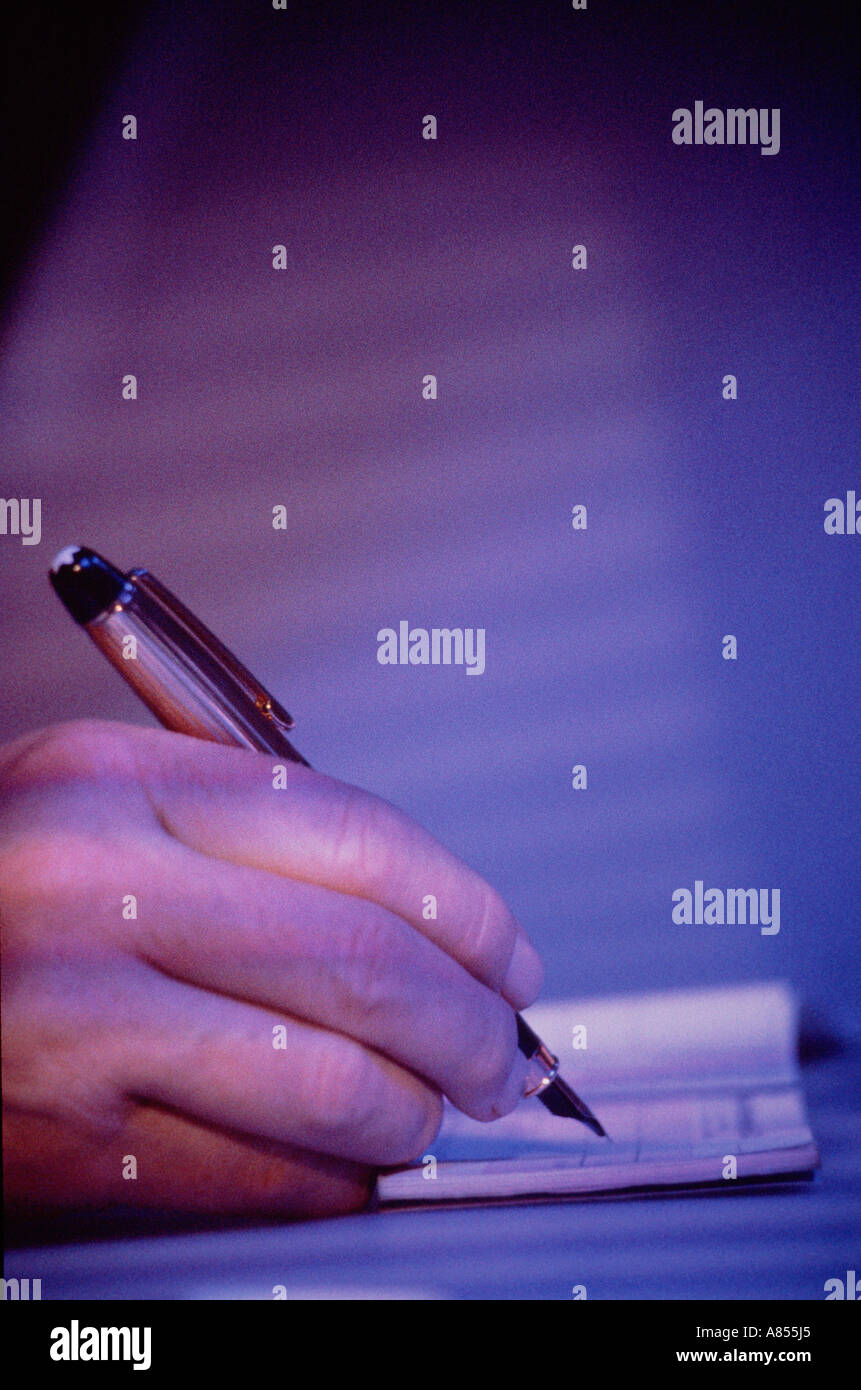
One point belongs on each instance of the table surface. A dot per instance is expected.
(679, 1247)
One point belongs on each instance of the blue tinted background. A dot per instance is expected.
(555, 388)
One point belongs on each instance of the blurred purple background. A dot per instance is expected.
(303, 387)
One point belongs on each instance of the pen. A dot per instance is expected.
(194, 685)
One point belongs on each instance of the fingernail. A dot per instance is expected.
(522, 983)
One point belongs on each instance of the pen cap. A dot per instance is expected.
(85, 582)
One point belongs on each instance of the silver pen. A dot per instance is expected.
(194, 685)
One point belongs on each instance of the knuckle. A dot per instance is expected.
(344, 1087)
(368, 1116)
(65, 1075)
(367, 970)
(489, 939)
(408, 1134)
(74, 780)
(79, 750)
(364, 831)
(60, 872)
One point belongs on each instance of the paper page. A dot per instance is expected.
(646, 1043)
(667, 1141)
(668, 1083)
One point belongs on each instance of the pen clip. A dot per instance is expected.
(156, 592)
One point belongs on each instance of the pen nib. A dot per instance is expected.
(561, 1100)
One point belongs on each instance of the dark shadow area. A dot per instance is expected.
(57, 60)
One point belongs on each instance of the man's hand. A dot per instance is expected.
(231, 984)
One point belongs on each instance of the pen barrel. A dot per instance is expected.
(182, 677)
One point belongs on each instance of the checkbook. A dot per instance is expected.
(696, 1088)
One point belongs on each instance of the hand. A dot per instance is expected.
(233, 985)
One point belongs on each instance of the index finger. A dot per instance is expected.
(251, 809)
